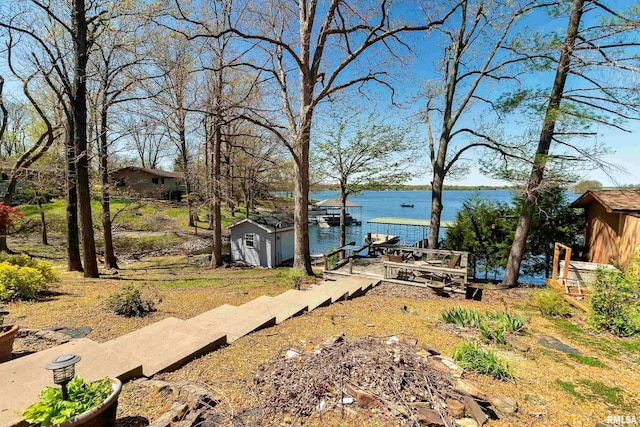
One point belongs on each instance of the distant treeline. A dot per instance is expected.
(425, 187)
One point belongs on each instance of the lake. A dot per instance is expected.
(387, 204)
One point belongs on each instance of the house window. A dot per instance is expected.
(155, 180)
(249, 240)
(119, 182)
(162, 180)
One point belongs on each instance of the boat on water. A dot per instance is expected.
(406, 205)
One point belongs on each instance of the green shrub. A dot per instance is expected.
(130, 303)
(509, 322)
(461, 317)
(491, 332)
(471, 356)
(333, 259)
(295, 276)
(51, 409)
(19, 282)
(45, 268)
(615, 302)
(551, 303)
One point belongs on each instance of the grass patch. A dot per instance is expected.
(485, 362)
(569, 388)
(587, 360)
(611, 395)
(610, 347)
(588, 389)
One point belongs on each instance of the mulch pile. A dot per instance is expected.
(392, 378)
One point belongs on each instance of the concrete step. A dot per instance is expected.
(22, 380)
(167, 345)
(245, 320)
(312, 299)
(281, 307)
(337, 292)
(214, 318)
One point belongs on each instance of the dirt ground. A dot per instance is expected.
(551, 387)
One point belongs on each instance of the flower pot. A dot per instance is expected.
(6, 342)
(103, 415)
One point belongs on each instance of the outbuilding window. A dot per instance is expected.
(155, 180)
(249, 240)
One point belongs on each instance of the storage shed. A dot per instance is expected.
(613, 225)
(264, 242)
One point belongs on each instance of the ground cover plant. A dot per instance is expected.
(474, 357)
(52, 410)
(129, 302)
(22, 277)
(493, 326)
(550, 303)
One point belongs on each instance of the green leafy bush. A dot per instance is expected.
(19, 282)
(52, 410)
(551, 303)
(295, 276)
(615, 302)
(129, 302)
(471, 356)
(461, 317)
(45, 268)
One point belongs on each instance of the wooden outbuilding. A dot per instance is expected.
(149, 183)
(613, 225)
(263, 242)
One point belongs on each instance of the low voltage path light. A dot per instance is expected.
(64, 369)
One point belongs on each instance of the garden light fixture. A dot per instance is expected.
(64, 369)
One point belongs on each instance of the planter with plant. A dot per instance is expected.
(7, 336)
(78, 403)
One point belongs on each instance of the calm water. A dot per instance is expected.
(387, 204)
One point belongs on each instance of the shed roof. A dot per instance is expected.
(335, 203)
(270, 223)
(618, 201)
(416, 222)
(156, 172)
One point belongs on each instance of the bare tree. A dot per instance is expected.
(474, 61)
(591, 98)
(61, 32)
(361, 155)
(312, 54)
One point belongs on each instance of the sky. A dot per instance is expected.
(626, 146)
(624, 160)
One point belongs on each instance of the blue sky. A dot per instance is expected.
(626, 146)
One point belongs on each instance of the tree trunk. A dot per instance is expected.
(43, 223)
(74, 262)
(7, 199)
(436, 203)
(79, 108)
(109, 255)
(544, 143)
(302, 255)
(343, 220)
(216, 256)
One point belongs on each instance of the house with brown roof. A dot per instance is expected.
(149, 183)
(613, 225)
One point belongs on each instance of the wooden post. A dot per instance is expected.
(567, 261)
(326, 262)
(350, 265)
(556, 255)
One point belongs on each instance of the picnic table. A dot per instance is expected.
(409, 270)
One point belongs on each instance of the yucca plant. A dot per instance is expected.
(461, 317)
